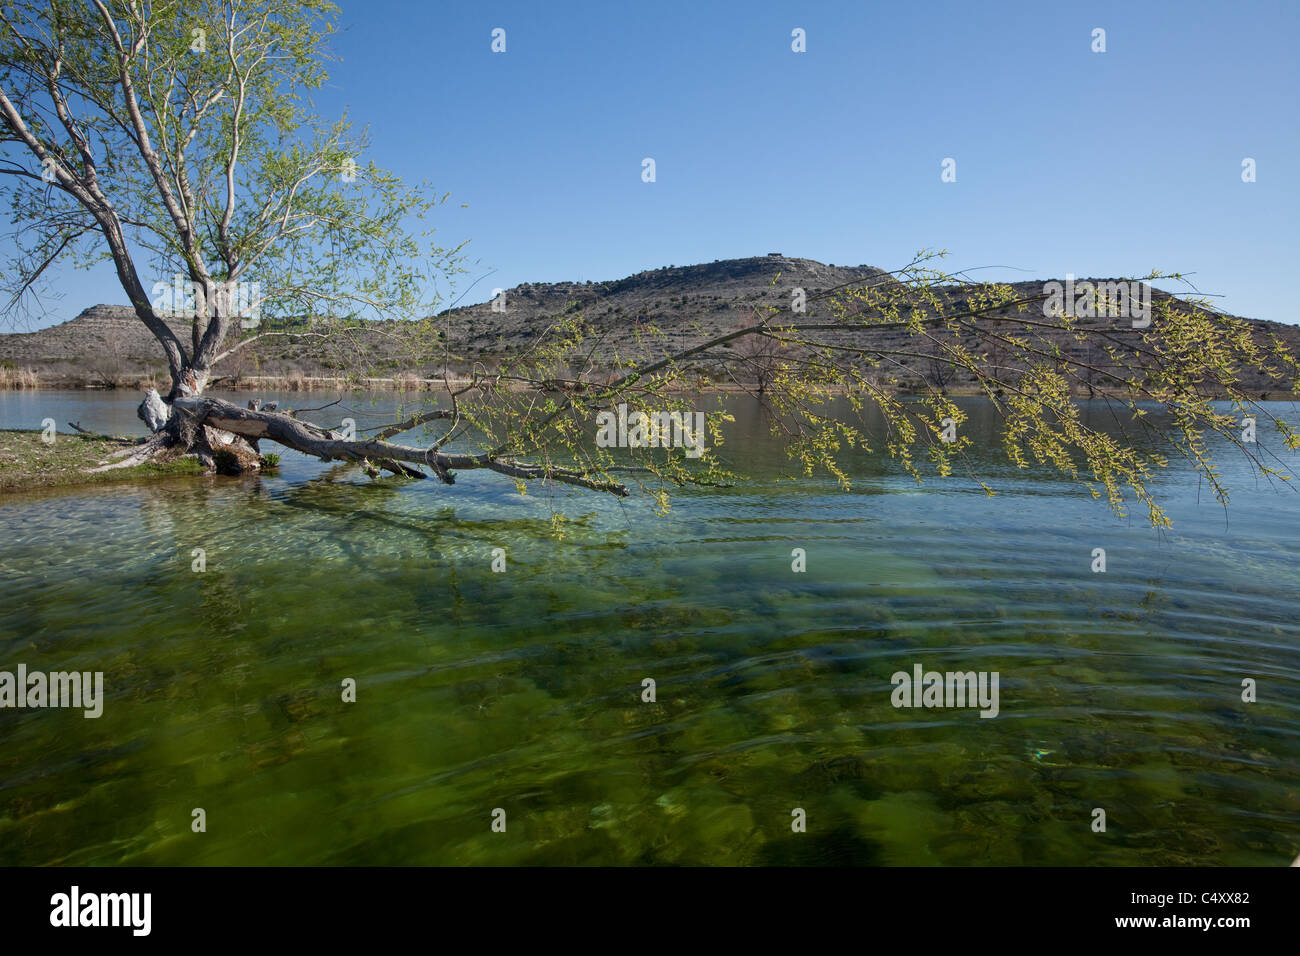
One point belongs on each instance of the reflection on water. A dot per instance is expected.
(523, 690)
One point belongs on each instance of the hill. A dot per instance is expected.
(107, 345)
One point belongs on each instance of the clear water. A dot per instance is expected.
(522, 690)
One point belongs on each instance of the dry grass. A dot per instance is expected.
(300, 382)
(288, 381)
(19, 377)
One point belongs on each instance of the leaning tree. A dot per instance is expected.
(178, 141)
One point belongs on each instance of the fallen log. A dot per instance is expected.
(255, 424)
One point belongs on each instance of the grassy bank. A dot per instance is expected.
(26, 462)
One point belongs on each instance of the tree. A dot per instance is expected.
(759, 355)
(185, 144)
(180, 147)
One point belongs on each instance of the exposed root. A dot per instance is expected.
(214, 448)
(151, 450)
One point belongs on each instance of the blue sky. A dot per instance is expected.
(1110, 163)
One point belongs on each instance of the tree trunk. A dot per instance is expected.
(225, 436)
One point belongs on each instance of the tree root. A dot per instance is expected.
(151, 449)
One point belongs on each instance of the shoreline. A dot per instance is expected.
(324, 383)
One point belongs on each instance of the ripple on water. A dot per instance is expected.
(524, 690)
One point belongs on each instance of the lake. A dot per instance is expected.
(521, 691)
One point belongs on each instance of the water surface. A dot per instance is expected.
(522, 690)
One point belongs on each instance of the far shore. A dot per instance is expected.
(32, 380)
(312, 383)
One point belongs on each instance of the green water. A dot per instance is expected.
(522, 690)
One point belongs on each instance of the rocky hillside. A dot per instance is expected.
(101, 341)
(107, 342)
(687, 303)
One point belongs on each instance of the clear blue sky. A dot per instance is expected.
(1067, 160)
